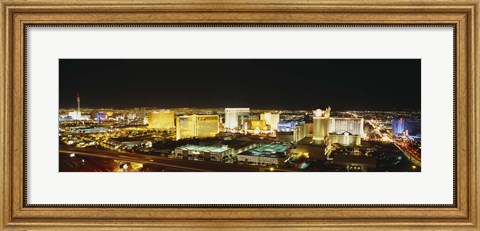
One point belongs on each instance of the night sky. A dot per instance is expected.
(359, 84)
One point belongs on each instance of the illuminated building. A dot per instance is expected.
(300, 131)
(267, 154)
(407, 126)
(345, 139)
(207, 125)
(185, 127)
(353, 126)
(101, 117)
(130, 116)
(199, 126)
(309, 129)
(64, 118)
(77, 115)
(202, 153)
(258, 124)
(291, 130)
(232, 116)
(271, 119)
(320, 125)
(123, 142)
(239, 145)
(74, 115)
(308, 147)
(284, 136)
(87, 129)
(161, 119)
(288, 125)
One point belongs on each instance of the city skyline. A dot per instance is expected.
(240, 115)
(238, 140)
(262, 84)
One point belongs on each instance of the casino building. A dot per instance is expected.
(353, 126)
(232, 117)
(407, 126)
(202, 153)
(266, 154)
(197, 126)
(101, 117)
(161, 119)
(320, 125)
(346, 139)
(271, 119)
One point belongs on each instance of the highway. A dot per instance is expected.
(414, 159)
(181, 164)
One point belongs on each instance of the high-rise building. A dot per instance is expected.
(101, 117)
(354, 126)
(320, 125)
(258, 124)
(185, 127)
(300, 131)
(346, 139)
(207, 126)
(232, 117)
(407, 126)
(197, 126)
(163, 119)
(271, 119)
(288, 125)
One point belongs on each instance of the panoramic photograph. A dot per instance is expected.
(239, 115)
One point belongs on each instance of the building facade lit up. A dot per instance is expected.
(258, 125)
(301, 131)
(232, 120)
(101, 117)
(161, 119)
(271, 119)
(353, 126)
(288, 125)
(346, 139)
(197, 126)
(206, 153)
(407, 126)
(267, 154)
(321, 124)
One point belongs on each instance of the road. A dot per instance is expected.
(185, 165)
(413, 158)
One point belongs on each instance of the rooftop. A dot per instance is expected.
(268, 150)
(201, 148)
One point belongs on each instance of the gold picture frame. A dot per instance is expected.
(16, 15)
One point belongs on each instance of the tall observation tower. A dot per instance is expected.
(79, 113)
